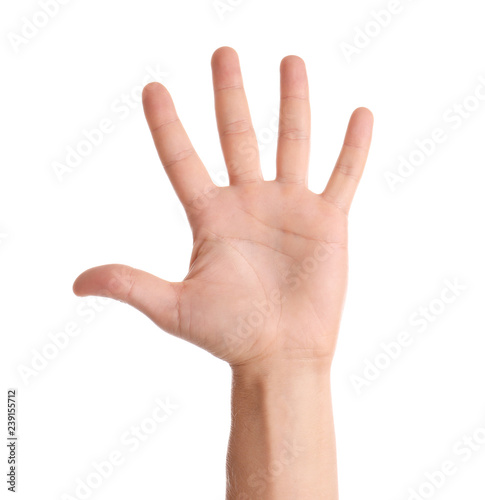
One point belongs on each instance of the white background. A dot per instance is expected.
(118, 206)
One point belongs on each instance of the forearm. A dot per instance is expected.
(282, 443)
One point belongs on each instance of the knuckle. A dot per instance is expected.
(236, 127)
(294, 134)
(178, 157)
(348, 170)
(121, 283)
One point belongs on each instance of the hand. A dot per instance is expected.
(268, 272)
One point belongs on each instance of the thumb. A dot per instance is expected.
(154, 297)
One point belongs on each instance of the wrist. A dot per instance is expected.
(282, 417)
(280, 368)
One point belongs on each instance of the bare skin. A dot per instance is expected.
(267, 277)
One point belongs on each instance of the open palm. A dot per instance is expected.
(268, 272)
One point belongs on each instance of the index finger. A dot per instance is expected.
(184, 168)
